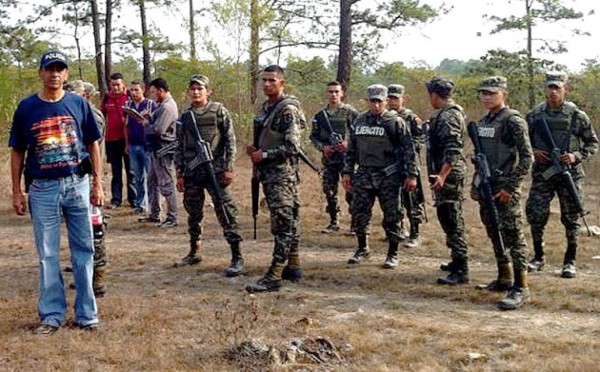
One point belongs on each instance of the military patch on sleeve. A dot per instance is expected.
(287, 120)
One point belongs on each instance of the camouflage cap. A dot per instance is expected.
(395, 90)
(199, 79)
(75, 86)
(377, 91)
(493, 84)
(89, 88)
(440, 85)
(556, 78)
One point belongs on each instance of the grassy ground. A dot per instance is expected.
(339, 318)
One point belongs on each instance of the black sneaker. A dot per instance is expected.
(391, 262)
(45, 329)
(331, 228)
(361, 255)
(569, 271)
(537, 264)
(93, 327)
(149, 219)
(166, 224)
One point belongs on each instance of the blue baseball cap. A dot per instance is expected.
(53, 56)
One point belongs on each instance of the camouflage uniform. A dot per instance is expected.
(279, 140)
(505, 143)
(446, 130)
(415, 208)
(376, 143)
(573, 133)
(340, 121)
(213, 123)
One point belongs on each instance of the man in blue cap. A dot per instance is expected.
(54, 139)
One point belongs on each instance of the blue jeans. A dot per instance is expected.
(48, 201)
(139, 166)
(116, 156)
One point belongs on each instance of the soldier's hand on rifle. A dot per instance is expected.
(410, 184)
(542, 157)
(226, 179)
(503, 196)
(347, 183)
(255, 154)
(568, 159)
(342, 147)
(437, 182)
(328, 151)
(180, 184)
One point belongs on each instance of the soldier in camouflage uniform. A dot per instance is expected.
(275, 160)
(415, 208)
(339, 117)
(446, 130)
(505, 142)
(574, 135)
(381, 146)
(210, 121)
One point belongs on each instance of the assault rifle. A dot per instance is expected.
(429, 155)
(167, 149)
(485, 186)
(562, 170)
(335, 138)
(255, 183)
(204, 159)
(302, 156)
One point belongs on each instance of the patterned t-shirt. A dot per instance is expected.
(54, 134)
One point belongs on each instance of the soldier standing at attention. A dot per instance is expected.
(446, 129)
(207, 121)
(275, 159)
(336, 116)
(414, 207)
(504, 140)
(381, 145)
(574, 136)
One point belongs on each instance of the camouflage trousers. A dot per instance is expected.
(193, 201)
(538, 211)
(331, 179)
(284, 205)
(366, 187)
(411, 206)
(100, 256)
(448, 204)
(511, 228)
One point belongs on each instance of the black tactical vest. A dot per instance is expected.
(373, 135)
(499, 150)
(560, 124)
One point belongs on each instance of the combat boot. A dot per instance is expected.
(292, 270)
(391, 261)
(194, 257)
(98, 281)
(538, 262)
(237, 261)
(413, 240)
(518, 294)
(333, 224)
(363, 253)
(447, 266)
(504, 281)
(270, 282)
(458, 275)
